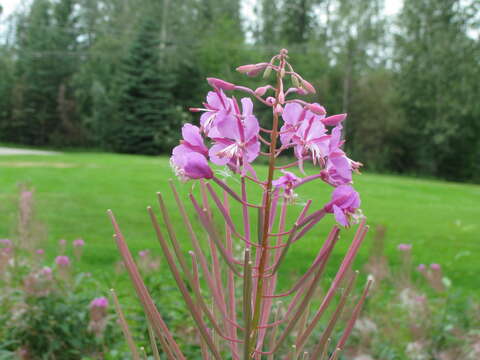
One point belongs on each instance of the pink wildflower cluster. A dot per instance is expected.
(256, 326)
(229, 135)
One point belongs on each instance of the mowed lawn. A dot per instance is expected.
(74, 190)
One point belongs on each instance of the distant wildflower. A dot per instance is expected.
(46, 271)
(78, 243)
(62, 261)
(6, 242)
(404, 247)
(100, 302)
(435, 267)
(421, 267)
(143, 253)
(39, 251)
(62, 242)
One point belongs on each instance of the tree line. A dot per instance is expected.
(120, 74)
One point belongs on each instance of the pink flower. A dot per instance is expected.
(46, 271)
(435, 267)
(6, 242)
(78, 243)
(287, 182)
(404, 247)
(143, 253)
(188, 159)
(100, 302)
(344, 203)
(311, 139)
(236, 143)
(217, 108)
(421, 267)
(62, 261)
(220, 84)
(62, 242)
(39, 251)
(293, 114)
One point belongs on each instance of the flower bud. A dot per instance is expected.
(270, 100)
(267, 72)
(252, 69)
(278, 109)
(261, 90)
(295, 81)
(316, 108)
(334, 120)
(220, 84)
(309, 87)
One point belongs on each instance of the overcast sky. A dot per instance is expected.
(391, 7)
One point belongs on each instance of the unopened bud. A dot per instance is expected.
(317, 109)
(270, 100)
(301, 91)
(261, 90)
(281, 97)
(278, 109)
(220, 84)
(334, 120)
(252, 69)
(295, 81)
(267, 72)
(309, 87)
(192, 109)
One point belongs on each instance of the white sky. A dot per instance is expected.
(392, 7)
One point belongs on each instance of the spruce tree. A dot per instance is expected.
(147, 120)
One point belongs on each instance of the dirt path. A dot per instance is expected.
(15, 151)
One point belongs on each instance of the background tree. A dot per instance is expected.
(147, 121)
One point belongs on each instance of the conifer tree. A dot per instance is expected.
(147, 120)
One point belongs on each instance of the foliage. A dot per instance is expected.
(147, 120)
(421, 66)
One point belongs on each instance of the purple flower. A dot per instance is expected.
(338, 168)
(188, 159)
(421, 267)
(39, 251)
(311, 138)
(62, 242)
(46, 271)
(435, 267)
(344, 203)
(287, 182)
(100, 302)
(62, 261)
(143, 253)
(6, 242)
(217, 108)
(404, 247)
(78, 243)
(292, 116)
(236, 142)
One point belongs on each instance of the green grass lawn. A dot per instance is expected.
(74, 190)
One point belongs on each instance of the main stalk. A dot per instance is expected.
(267, 211)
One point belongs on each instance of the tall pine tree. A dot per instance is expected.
(148, 122)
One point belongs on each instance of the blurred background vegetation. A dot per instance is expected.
(120, 74)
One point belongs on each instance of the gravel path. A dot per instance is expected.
(15, 151)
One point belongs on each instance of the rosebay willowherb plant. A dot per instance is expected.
(232, 296)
